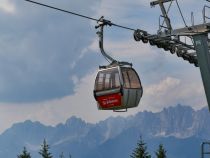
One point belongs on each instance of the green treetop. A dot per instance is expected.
(161, 152)
(141, 150)
(24, 154)
(44, 152)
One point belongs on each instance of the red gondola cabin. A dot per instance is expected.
(117, 88)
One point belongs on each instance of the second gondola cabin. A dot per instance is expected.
(117, 87)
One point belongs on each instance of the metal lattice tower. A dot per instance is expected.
(196, 53)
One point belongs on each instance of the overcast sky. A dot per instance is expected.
(49, 59)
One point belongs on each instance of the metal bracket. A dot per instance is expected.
(125, 110)
(164, 13)
(101, 23)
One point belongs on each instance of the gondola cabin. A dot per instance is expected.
(117, 88)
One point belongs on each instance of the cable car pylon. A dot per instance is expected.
(197, 52)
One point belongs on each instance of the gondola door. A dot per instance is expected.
(108, 89)
(132, 89)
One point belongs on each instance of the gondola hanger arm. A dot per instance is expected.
(101, 23)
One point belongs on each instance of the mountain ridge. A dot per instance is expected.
(119, 135)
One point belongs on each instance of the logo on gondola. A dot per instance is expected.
(109, 101)
(105, 102)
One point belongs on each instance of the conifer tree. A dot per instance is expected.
(141, 150)
(24, 154)
(44, 152)
(161, 152)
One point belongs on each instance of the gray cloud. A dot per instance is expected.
(38, 46)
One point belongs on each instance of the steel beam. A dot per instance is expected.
(203, 55)
(159, 1)
(163, 10)
(188, 31)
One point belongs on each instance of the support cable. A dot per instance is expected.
(181, 13)
(77, 14)
(138, 34)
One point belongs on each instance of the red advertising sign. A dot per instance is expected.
(109, 101)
